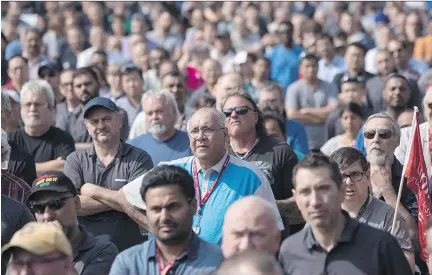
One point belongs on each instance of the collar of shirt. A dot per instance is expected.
(192, 250)
(87, 242)
(217, 167)
(123, 150)
(346, 236)
(78, 111)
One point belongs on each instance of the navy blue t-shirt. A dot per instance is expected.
(173, 148)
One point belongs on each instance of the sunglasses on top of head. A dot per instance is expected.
(240, 110)
(53, 205)
(383, 133)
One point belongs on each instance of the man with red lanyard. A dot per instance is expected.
(425, 134)
(169, 194)
(219, 179)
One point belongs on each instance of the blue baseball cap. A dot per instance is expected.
(98, 102)
(381, 17)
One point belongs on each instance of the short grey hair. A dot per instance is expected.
(39, 86)
(383, 115)
(166, 96)
(269, 85)
(219, 115)
(5, 147)
(5, 102)
(428, 91)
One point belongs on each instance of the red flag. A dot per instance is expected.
(417, 181)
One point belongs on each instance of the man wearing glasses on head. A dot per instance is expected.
(55, 198)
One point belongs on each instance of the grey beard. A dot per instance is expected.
(377, 159)
(157, 129)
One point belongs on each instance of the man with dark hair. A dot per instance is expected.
(310, 100)
(284, 57)
(410, 68)
(32, 50)
(355, 63)
(85, 86)
(54, 198)
(99, 58)
(132, 83)
(249, 141)
(169, 194)
(18, 72)
(71, 102)
(351, 91)
(375, 86)
(334, 243)
(248, 263)
(363, 207)
(330, 64)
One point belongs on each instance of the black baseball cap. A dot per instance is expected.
(52, 181)
(100, 102)
(223, 34)
(49, 67)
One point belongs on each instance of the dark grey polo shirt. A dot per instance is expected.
(73, 122)
(93, 256)
(85, 167)
(201, 258)
(361, 250)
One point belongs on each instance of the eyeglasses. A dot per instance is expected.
(354, 177)
(383, 133)
(37, 105)
(240, 110)
(31, 263)
(54, 205)
(206, 132)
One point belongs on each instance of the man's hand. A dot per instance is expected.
(88, 189)
(381, 179)
(58, 164)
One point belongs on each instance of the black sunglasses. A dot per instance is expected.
(240, 110)
(54, 205)
(383, 133)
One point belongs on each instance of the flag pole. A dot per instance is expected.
(413, 123)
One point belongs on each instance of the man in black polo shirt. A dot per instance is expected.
(47, 144)
(109, 164)
(334, 243)
(54, 198)
(249, 141)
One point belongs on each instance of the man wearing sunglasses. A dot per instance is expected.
(55, 198)
(381, 137)
(249, 141)
(49, 71)
(361, 205)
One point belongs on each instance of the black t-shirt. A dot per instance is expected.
(51, 145)
(277, 160)
(21, 164)
(14, 216)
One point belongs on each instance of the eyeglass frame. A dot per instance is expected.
(195, 135)
(345, 177)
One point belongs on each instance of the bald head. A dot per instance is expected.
(250, 224)
(250, 263)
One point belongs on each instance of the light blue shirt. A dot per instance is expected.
(175, 147)
(284, 65)
(296, 136)
(201, 258)
(328, 71)
(239, 179)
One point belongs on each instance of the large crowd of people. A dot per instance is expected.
(213, 138)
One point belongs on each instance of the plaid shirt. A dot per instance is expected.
(14, 187)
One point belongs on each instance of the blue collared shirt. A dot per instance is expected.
(201, 258)
(296, 136)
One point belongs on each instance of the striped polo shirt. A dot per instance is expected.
(239, 179)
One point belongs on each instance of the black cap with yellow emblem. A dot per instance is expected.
(52, 181)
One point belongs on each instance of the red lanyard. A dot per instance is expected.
(430, 148)
(212, 187)
(163, 269)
